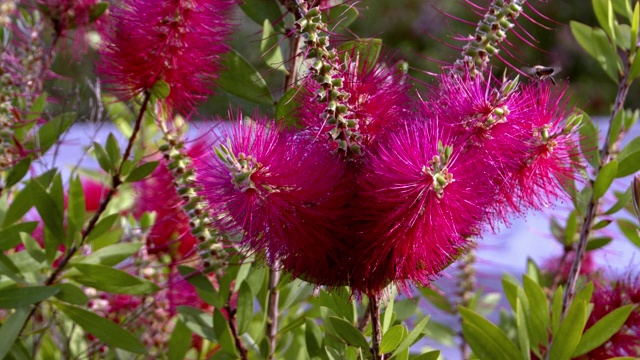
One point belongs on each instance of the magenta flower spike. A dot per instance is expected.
(280, 191)
(421, 201)
(177, 41)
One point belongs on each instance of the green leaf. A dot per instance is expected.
(634, 72)
(33, 247)
(598, 242)
(103, 225)
(160, 89)
(539, 309)
(604, 14)
(623, 200)
(629, 158)
(313, 338)
(483, 346)
(635, 27)
(49, 211)
(10, 237)
(270, 47)
(197, 320)
(223, 333)
(141, 171)
(76, 206)
(258, 10)
(180, 341)
(113, 149)
(569, 332)
(348, 332)
(105, 330)
(97, 10)
(71, 293)
(17, 297)
(17, 172)
(486, 339)
(556, 310)
(414, 335)
(287, 108)
(50, 132)
(103, 158)
(241, 79)
(596, 43)
(113, 280)
(521, 327)
(203, 286)
(244, 308)
(589, 141)
(37, 108)
(630, 230)
(11, 329)
(366, 51)
(431, 355)
(436, 297)
(388, 311)
(602, 330)
(111, 255)
(585, 294)
(571, 228)
(9, 268)
(391, 339)
(605, 178)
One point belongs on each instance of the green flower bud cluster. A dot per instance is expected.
(438, 170)
(241, 166)
(498, 108)
(179, 164)
(344, 129)
(491, 30)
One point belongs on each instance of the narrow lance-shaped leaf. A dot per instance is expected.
(602, 330)
(106, 330)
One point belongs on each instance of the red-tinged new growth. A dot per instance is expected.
(376, 98)
(606, 298)
(177, 41)
(278, 189)
(421, 200)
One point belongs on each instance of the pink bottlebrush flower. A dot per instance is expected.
(521, 130)
(560, 266)
(180, 42)
(607, 297)
(378, 98)
(94, 193)
(279, 190)
(552, 148)
(421, 199)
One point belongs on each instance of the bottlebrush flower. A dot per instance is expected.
(520, 128)
(278, 189)
(177, 41)
(377, 100)
(606, 298)
(421, 199)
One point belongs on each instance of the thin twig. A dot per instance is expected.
(376, 329)
(592, 207)
(272, 309)
(116, 181)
